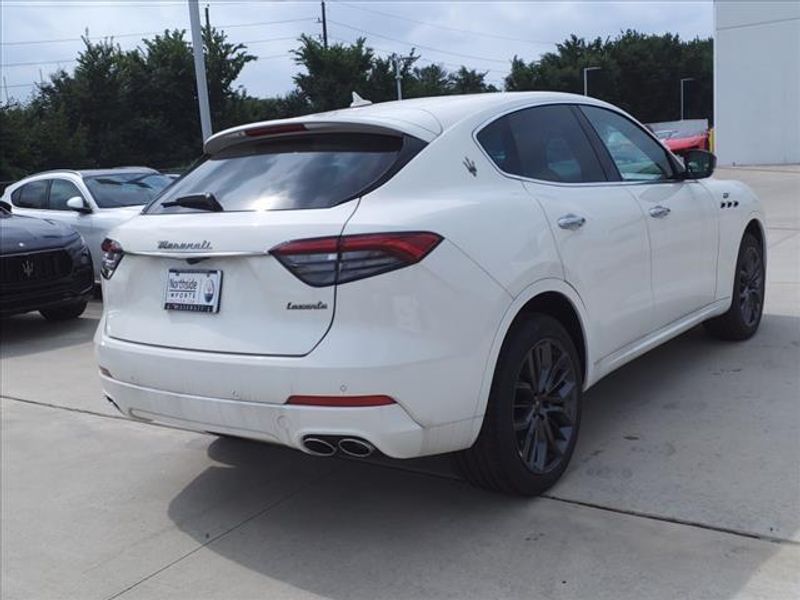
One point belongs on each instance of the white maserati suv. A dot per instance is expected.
(420, 277)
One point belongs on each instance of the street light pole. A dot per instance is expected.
(398, 78)
(586, 78)
(684, 80)
(200, 70)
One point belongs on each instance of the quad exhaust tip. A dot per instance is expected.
(356, 447)
(328, 446)
(319, 447)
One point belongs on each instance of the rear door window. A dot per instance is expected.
(311, 171)
(543, 142)
(31, 195)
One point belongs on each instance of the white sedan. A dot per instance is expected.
(419, 277)
(91, 201)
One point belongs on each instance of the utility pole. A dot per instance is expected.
(324, 25)
(586, 78)
(208, 20)
(200, 70)
(398, 78)
(684, 80)
(5, 87)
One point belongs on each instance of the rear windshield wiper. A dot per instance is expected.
(199, 201)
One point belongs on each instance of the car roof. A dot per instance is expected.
(426, 118)
(93, 172)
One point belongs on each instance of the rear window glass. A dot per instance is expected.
(126, 189)
(316, 171)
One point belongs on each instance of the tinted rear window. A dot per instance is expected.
(31, 195)
(126, 189)
(315, 171)
(543, 142)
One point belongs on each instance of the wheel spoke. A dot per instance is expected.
(525, 422)
(543, 358)
(539, 456)
(557, 374)
(552, 442)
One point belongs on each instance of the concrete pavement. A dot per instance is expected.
(685, 484)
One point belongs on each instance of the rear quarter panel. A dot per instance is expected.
(498, 243)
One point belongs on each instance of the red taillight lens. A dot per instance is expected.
(112, 254)
(327, 261)
(344, 401)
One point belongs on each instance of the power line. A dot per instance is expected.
(420, 46)
(45, 62)
(420, 58)
(146, 33)
(18, 85)
(447, 28)
(264, 41)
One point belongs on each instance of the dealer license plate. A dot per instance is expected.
(193, 290)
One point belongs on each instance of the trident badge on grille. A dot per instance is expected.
(27, 268)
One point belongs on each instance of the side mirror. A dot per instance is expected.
(699, 164)
(78, 204)
(5, 205)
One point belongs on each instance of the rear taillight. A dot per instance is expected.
(326, 261)
(112, 254)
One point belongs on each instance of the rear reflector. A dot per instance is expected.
(331, 260)
(275, 129)
(340, 401)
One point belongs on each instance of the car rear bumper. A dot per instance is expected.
(388, 428)
(256, 389)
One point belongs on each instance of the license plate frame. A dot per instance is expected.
(193, 290)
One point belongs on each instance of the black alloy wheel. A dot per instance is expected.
(545, 406)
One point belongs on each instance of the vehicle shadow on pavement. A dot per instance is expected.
(362, 531)
(689, 432)
(31, 333)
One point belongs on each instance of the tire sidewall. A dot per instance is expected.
(748, 241)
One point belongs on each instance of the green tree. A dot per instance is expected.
(332, 73)
(469, 81)
(432, 80)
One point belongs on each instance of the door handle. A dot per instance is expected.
(659, 212)
(571, 222)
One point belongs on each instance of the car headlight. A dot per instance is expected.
(79, 252)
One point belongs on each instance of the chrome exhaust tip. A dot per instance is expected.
(356, 447)
(318, 447)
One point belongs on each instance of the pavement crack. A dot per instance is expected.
(210, 541)
(427, 473)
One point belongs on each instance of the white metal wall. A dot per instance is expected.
(757, 82)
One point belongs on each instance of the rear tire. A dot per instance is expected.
(64, 313)
(747, 298)
(533, 415)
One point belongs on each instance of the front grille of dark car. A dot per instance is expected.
(35, 267)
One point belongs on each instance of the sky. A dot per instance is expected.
(45, 35)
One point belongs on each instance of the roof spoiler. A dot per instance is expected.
(292, 127)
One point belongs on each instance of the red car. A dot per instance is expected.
(680, 136)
